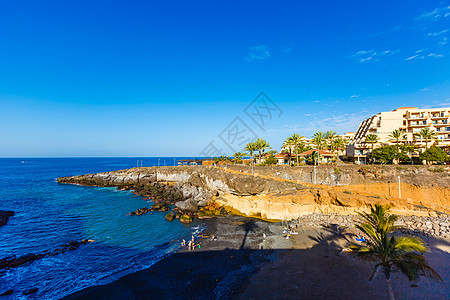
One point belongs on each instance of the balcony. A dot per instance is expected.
(417, 117)
(417, 124)
(439, 116)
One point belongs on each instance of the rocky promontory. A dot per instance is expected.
(208, 191)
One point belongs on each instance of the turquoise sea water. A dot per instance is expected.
(48, 214)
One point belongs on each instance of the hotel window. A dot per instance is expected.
(438, 129)
(447, 128)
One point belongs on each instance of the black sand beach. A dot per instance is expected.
(250, 259)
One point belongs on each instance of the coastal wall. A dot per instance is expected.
(417, 175)
(287, 193)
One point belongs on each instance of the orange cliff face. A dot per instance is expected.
(287, 193)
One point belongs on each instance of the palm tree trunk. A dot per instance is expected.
(371, 151)
(391, 292)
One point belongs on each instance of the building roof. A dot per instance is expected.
(283, 155)
(322, 152)
(406, 107)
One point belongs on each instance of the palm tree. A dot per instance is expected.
(238, 156)
(396, 136)
(372, 139)
(330, 136)
(391, 253)
(408, 150)
(339, 144)
(261, 146)
(427, 135)
(251, 148)
(297, 142)
(289, 145)
(315, 157)
(319, 140)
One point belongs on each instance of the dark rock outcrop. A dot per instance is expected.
(6, 293)
(4, 216)
(170, 216)
(30, 291)
(14, 262)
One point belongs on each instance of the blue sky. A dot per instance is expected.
(147, 78)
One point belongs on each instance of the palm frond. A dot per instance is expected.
(408, 243)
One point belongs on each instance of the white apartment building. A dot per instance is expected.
(409, 119)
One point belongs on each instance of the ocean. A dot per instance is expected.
(48, 215)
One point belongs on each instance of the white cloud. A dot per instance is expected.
(435, 55)
(258, 53)
(443, 41)
(363, 56)
(355, 96)
(287, 49)
(435, 14)
(422, 53)
(438, 33)
(325, 121)
(412, 57)
(389, 30)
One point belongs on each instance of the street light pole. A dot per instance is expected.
(315, 176)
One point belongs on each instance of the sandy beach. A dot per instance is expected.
(251, 259)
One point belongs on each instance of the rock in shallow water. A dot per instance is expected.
(4, 216)
(185, 219)
(170, 216)
(30, 291)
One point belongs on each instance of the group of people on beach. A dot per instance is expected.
(191, 245)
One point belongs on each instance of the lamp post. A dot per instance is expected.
(315, 176)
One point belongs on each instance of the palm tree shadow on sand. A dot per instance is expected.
(248, 226)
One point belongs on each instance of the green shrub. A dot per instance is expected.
(434, 154)
(348, 192)
(437, 169)
(337, 171)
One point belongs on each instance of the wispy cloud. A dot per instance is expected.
(423, 53)
(355, 96)
(438, 103)
(258, 53)
(322, 122)
(435, 14)
(443, 41)
(363, 56)
(287, 49)
(389, 30)
(438, 33)
(435, 55)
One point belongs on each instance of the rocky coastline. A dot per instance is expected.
(413, 225)
(14, 262)
(202, 192)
